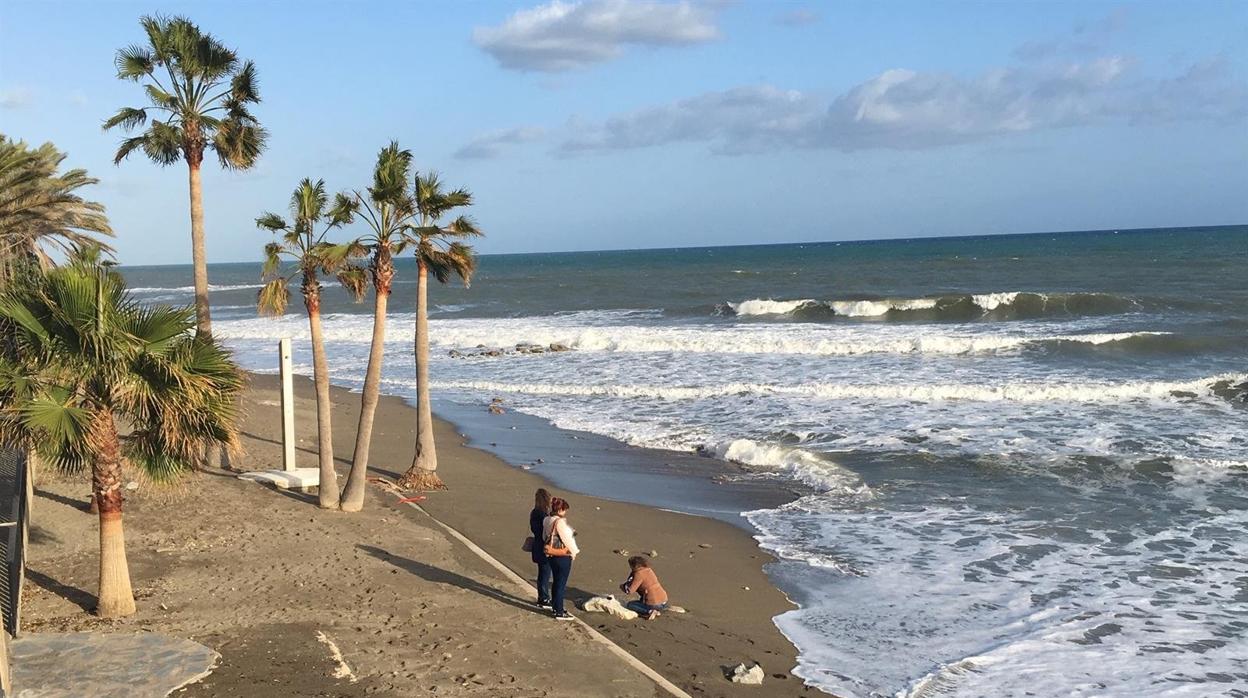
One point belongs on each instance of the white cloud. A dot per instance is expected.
(15, 98)
(907, 109)
(493, 144)
(736, 120)
(561, 36)
(77, 98)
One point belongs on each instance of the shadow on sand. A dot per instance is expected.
(85, 600)
(441, 576)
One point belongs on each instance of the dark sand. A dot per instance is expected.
(257, 574)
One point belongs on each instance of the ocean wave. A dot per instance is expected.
(191, 289)
(576, 333)
(1010, 392)
(804, 466)
(1002, 305)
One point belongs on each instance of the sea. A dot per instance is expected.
(1020, 462)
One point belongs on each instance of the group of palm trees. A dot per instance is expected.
(398, 216)
(81, 361)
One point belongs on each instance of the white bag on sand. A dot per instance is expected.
(608, 604)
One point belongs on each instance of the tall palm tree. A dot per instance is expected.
(41, 211)
(387, 208)
(441, 252)
(313, 255)
(86, 355)
(202, 94)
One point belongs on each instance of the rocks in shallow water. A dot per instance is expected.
(751, 675)
(482, 351)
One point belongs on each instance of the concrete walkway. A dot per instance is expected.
(106, 665)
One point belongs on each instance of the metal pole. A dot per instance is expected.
(288, 407)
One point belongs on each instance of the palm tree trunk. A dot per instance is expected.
(353, 491)
(203, 316)
(115, 599)
(423, 476)
(213, 457)
(327, 491)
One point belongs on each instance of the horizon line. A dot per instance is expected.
(795, 242)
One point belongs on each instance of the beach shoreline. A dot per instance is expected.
(708, 549)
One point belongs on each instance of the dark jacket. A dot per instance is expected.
(536, 517)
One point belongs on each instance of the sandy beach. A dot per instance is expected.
(271, 582)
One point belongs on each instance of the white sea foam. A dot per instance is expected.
(1012, 392)
(759, 306)
(987, 302)
(992, 301)
(602, 331)
(875, 308)
(809, 468)
(191, 289)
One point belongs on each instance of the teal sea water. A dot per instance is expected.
(1023, 459)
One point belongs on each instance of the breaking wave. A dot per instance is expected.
(573, 333)
(808, 468)
(1000, 306)
(191, 289)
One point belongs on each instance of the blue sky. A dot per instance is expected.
(606, 124)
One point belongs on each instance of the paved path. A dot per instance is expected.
(106, 665)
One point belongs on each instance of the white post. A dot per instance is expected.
(288, 407)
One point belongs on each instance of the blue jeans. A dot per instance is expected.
(543, 580)
(561, 567)
(644, 609)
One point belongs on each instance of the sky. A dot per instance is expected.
(606, 124)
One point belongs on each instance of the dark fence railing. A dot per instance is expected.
(13, 527)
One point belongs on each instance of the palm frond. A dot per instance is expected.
(273, 297)
(245, 85)
(343, 210)
(238, 144)
(134, 62)
(355, 280)
(271, 222)
(272, 259)
(127, 117)
(307, 203)
(464, 226)
(163, 143)
(390, 174)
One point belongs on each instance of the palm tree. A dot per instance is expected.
(439, 251)
(387, 210)
(40, 211)
(201, 92)
(86, 355)
(313, 256)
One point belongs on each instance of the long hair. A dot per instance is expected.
(541, 500)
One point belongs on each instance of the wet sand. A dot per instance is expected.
(260, 575)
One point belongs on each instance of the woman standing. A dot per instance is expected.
(537, 518)
(561, 550)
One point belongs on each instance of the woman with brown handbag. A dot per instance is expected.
(560, 548)
(537, 551)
